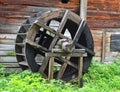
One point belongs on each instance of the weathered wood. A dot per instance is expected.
(52, 55)
(73, 54)
(7, 36)
(7, 47)
(101, 14)
(44, 65)
(79, 31)
(7, 59)
(51, 68)
(36, 45)
(102, 10)
(103, 46)
(45, 27)
(58, 50)
(23, 63)
(60, 28)
(63, 67)
(11, 65)
(83, 9)
(54, 3)
(103, 23)
(68, 62)
(7, 53)
(62, 70)
(80, 66)
(9, 42)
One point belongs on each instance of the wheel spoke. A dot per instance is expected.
(37, 37)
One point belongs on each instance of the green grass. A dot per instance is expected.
(100, 78)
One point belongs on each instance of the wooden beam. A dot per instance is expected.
(83, 9)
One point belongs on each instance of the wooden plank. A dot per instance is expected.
(15, 14)
(8, 36)
(80, 67)
(36, 45)
(44, 65)
(78, 51)
(22, 8)
(106, 5)
(108, 15)
(43, 3)
(12, 29)
(7, 49)
(64, 54)
(8, 59)
(103, 23)
(11, 65)
(101, 9)
(68, 62)
(79, 31)
(83, 9)
(62, 70)
(5, 20)
(103, 14)
(10, 42)
(23, 63)
(51, 68)
(7, 53)
(4, 47)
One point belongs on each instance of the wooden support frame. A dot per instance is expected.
(53, 55)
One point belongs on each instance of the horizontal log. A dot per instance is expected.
(4, 20)
(17, 14)
(9, 28)
(20, 11)
(8, 36)
(108, 5)
(4, 47)
(22, 8)
(103, 23)
(9, 42)
(11, 65)
(107, 15)
(43, 3)
(7, 53)
(7, 59)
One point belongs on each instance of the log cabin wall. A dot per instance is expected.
(102, 15)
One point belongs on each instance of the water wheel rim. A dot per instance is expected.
(35, 67)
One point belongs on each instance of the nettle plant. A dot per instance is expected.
(100, 78)
(2, 70)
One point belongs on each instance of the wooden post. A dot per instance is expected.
(80, 66)
(83, 9)
(103, 46)
(51, 68)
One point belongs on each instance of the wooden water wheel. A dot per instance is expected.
(41, 33)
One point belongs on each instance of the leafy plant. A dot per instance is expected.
(100, 78)
(11, 53)
(2, 70)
